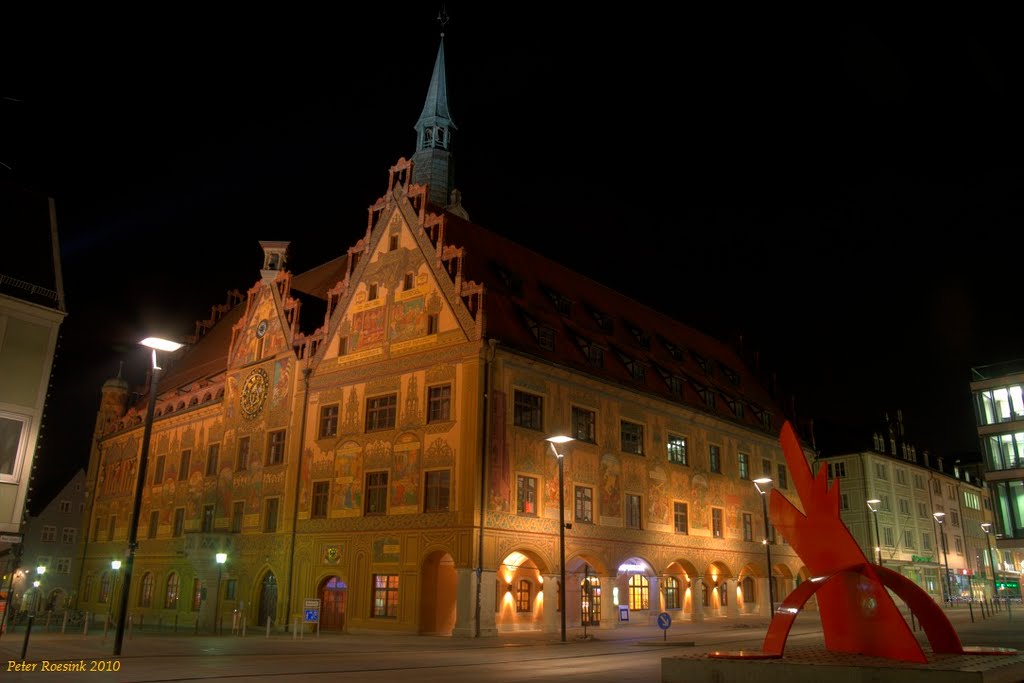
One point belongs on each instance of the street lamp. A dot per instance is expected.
(987, 528)
(561, 522)
(758, 484)
(40, 570)
(156, 344)
(221, 559)
(115, 566)
(878, 538)
(942, 536)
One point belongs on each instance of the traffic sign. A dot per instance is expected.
(311, 610)
(11, 538)
(312, 616)
(664, 621)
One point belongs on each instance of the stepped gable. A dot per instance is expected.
(641, 347)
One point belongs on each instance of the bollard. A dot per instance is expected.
(106, 627)
(268, 627)
(130, 619)
(295, 629)
(983, 608)
(970, 606)
(197, 626)
(64, 624)
(142, 618)
(1009, 610)
(175, 622)
(47, 627)
(85, 623)
(159, 622)
(243, 626)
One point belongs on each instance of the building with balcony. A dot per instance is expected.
(373, 433)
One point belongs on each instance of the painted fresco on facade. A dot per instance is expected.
(367, 328)
(405, 477)
(501, 468)
(699, 515)
(611, 491)
(281, 382)
(387, 549)
(247, 341)
(348, 496)
(658, 507)
(407, 319)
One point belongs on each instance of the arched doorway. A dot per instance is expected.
(268, 598)
(333, 594)
(56, 600)
(437, 594)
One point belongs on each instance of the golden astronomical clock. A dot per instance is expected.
(254, 393)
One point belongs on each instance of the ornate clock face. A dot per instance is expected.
(261, 329)
(254, 393)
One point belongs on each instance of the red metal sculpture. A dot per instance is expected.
(857, 613)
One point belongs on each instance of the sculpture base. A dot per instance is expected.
(813, 664)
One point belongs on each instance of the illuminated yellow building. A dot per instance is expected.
(373, 433)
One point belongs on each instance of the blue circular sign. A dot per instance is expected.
(664, 621)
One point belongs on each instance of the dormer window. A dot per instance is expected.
(642, 338)
(731, 375)
(707, 395)
(673, 350)
(544, 334)
(736, 406)
(673, 382)
(603, 320)
(512, 281)
(593, 353)
(706, 365)
(371, 292)
(637, 370)
(562, 303)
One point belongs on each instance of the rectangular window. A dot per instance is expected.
(237, 513)
(766, 467)
(376, 493)
(881, 471)
(270, 514)
(321, 497)
(715, 459)
(523, 594)
(154, 523)
(958, 544)
(275, 447)
(744, 469)
(526, 495)
(380, 412)
(844, 501)
(922, 511)
(901, 477)
(716, 522)
(439, 403)
(230, 589)
(584, 424)
(407, 281)
(677, 450)
(63, 565)
(936, 487)
(328, 421)
(212, 456)
(111, 527)
(908, 539)
(633, 508)
(954, 517)
(904, 506)
(207, 518)
(69, 534)
(748, 527)
(13, 436)
(783, 477)
(972, 500)
(438, 491)
(950, 492)
(584, 504)
(183, 465)
(242, 457)
(158, 470)
(179, 522)
(926, 542)
(840, 470)
(393, 244)
(918, 482)
(887, 535)
(372, 292)
(631, 437)
(432, 323)
(528, 410)
(385, 596)
(49, 534)
(682, 520)
(885, 503)
(65, 506)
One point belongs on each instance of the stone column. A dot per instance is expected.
(733, 608)
(465, 602)
(763, 608)
(488, 627)
(696, 600)
(609, 610)
(551, 619)
(653, 599)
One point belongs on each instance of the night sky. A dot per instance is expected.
(844, 196)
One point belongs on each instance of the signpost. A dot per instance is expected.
(664, 621)
(311, 613)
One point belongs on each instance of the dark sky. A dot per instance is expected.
(844, 195)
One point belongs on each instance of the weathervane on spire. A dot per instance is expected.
(442, 18)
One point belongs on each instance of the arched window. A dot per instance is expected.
(705, 597)
(523, 594)
(639, 592)
(104, 588)
(146, 590)
(748, 589)
(171, 597)
(671, 592)
(723, 593)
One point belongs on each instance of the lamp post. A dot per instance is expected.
(221, 559)
(156, 344)
(115, 566)
(758, 484)
(878, 538)
(987, 528)
(561, 523)
(945, 558)
(40, 570)
(17, 549)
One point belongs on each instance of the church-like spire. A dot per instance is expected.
(432, 161)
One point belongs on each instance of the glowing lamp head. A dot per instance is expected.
(222, 558)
